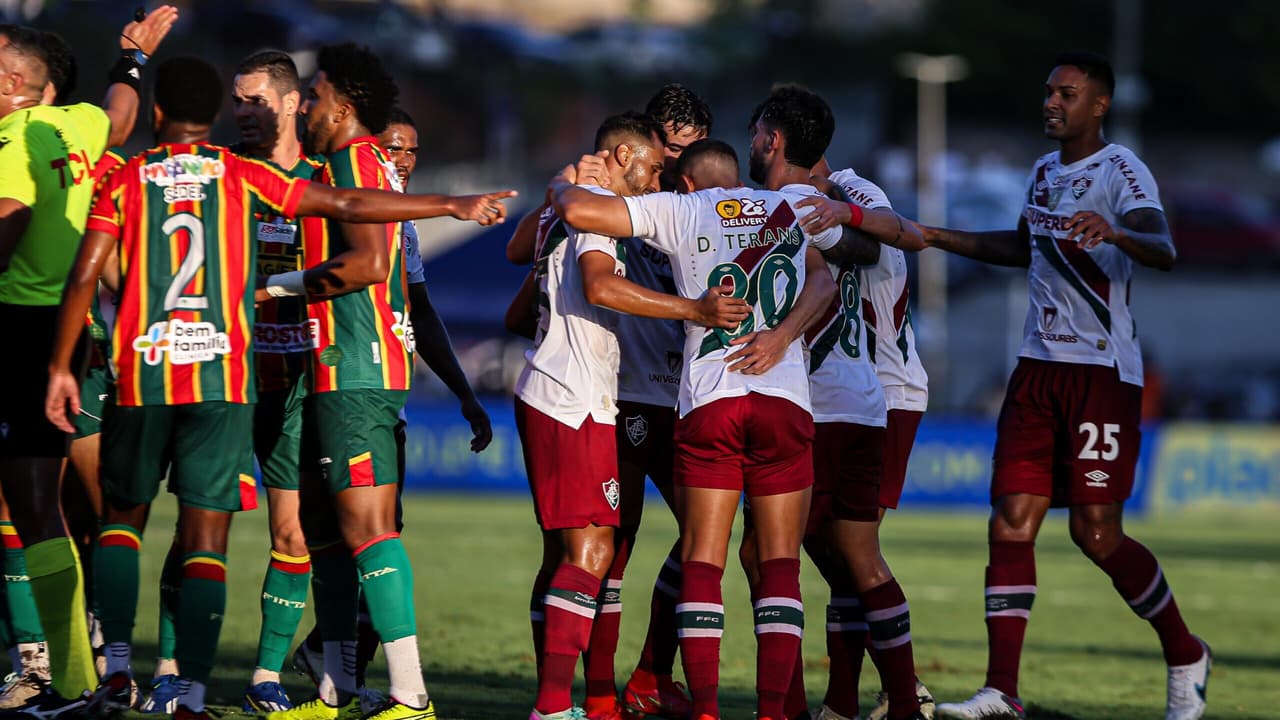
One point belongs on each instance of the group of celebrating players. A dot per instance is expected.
(715, 338)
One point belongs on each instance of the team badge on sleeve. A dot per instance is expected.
(637, 429)
(612, 493)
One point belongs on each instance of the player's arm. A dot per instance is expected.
(121, 102)
(587, 211)
(764, 349)
(364, 263)
(436, 350)
(77, 297)
(1143, 235)
(15, 215)
(362, 205)
(1011, 248)
(520, 247)
(522, 317)
(717, 308)
(881, 224)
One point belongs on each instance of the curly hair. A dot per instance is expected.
(358, 75)
(803, 118)
(680, 106)
(62, 65)
(188, 89)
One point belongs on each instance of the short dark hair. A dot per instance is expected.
(188, 89)
(1094, 66)
(398, 116)
(803, 118)
(702, 150)
(29, 44)
(628, 125)
(680, 106)
(62, 65)
(277, 65)
(358, 75)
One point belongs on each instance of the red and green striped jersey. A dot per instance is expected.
(181, 216)
(96, 323)
(282, 336)
(361, 337)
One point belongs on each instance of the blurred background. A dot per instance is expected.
(936, 101)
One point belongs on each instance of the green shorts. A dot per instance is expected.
(349, 436)
(205, 448)
(277, 435)
(93, 397)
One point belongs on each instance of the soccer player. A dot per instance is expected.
(266, 95)
(181, 345)
(566, 405)
(745, 422)
(47, 155)
(1069, 431)
(891, 348)
(359, 378)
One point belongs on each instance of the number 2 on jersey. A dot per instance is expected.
(773, 308)
(191, 264)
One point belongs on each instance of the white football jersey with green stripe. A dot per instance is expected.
(746, 239)
(1079, 299)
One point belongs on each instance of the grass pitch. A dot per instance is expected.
(1087, 656)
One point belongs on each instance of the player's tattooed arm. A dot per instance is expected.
(1143, 235)
(588, 211)
(856, 246)
(434, 347)
(364, 263)
(1011, 248)
(362, 205)
(717, 308)
(765, 348)
(522, 315)
(882, 225)
(63, 399)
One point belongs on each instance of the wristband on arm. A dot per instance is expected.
(128, 69)
(855, 215)
(289, 284)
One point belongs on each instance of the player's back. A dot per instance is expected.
(749, 241)
(891, 339)
(842, 381)
(571, 371)
(1079, 299)
(184, 324)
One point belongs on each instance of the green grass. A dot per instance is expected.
(1086, 656)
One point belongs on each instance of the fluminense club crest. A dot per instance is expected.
(637, 429)
(612, 492)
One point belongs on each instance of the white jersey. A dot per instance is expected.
(750, 240)
(572, 370)
(842, 382)
(891, 340)
(1079, 304)
(652, 349)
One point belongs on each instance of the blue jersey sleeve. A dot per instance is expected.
(412, 258)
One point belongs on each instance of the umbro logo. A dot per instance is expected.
(1097, 478)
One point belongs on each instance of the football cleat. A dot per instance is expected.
(22, 692)
(163, 699)
(392, 709)
(370, 699)
(48, 704)
(309, 662)
(1188, 686)
(988, 704)
(602, 709)
(318, 709)
(669, 700)
(923, 696)
(115, 694)
(265, 697)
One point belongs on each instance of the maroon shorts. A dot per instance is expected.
(645, 449)
(1069, 432)
(899, 438)
(846, 473)
(755, 442)
(573, 472)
